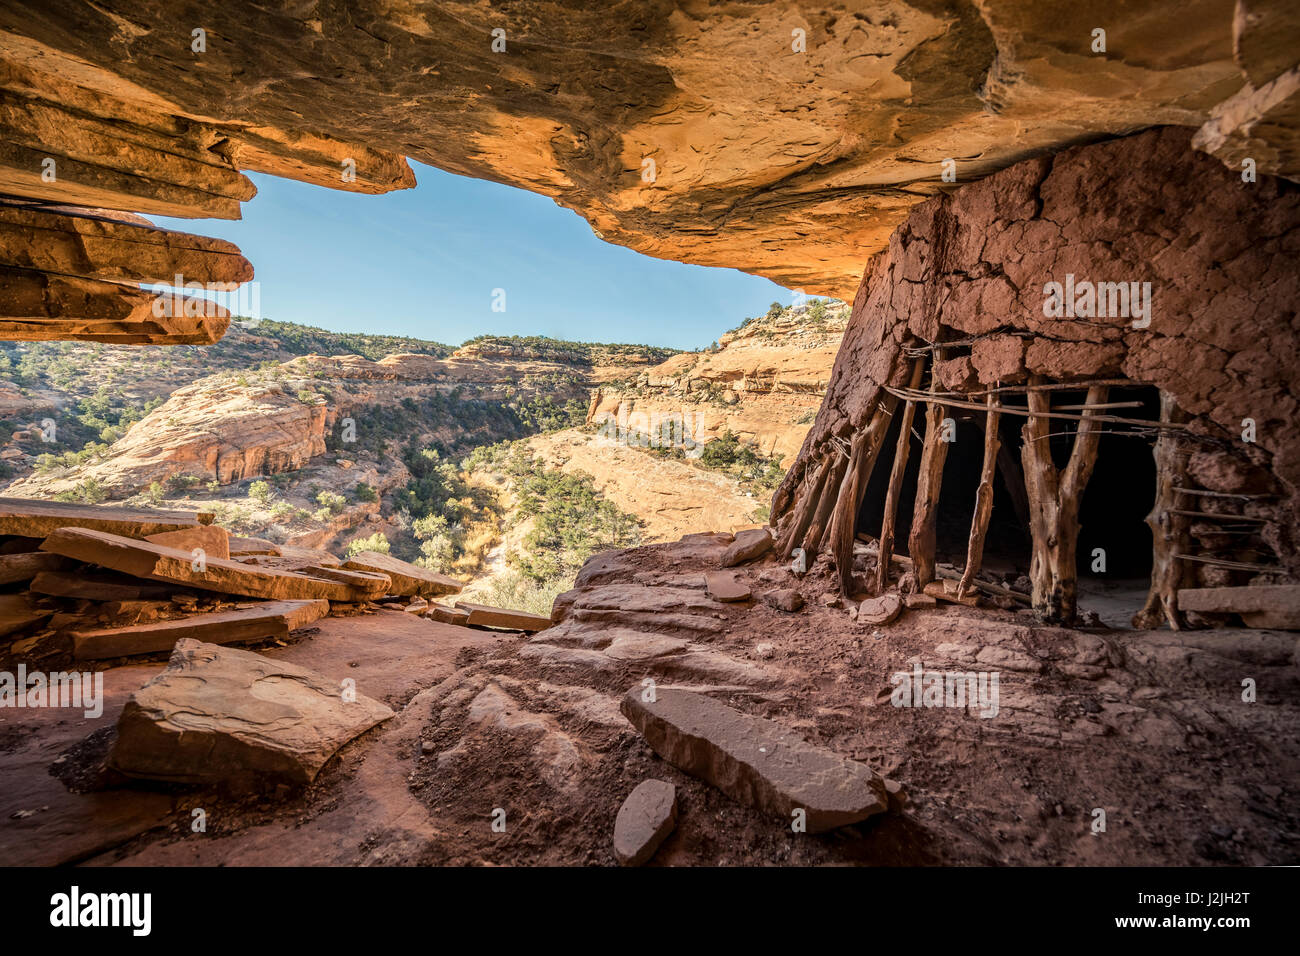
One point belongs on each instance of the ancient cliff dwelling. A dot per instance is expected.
(981, 552)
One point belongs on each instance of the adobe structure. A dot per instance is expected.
(1072, 420)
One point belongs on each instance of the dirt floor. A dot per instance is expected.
(1148, 726)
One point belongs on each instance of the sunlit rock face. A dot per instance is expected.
(784, 139)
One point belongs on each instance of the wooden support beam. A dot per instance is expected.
(983, 501)
(1054, 503)
(1169, 525)
(812, 539)
(802, 513)
(844, 519)
(925, 514)
(901, 452)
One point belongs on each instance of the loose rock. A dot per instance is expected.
(644, 821)
(755, 761)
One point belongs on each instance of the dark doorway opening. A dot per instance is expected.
(1007, 546)
(1114, 554)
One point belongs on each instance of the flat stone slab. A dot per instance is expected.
(747, 546)
(644, 821)
(263, 621)
(213, 539)
(726, 587)
(143, 559)
(102, 586)
(246, 546)
(26, 565)
(17, 613)
(408, 579)
(447, 615)
(37, 519)
(481, 615)
(218, 714)
(755, 761)
(1269, 606)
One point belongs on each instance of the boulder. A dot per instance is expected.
(754, 760)
(783, 599)
(748, 545)
(221, 715)
(644, 821)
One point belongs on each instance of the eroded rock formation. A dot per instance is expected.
(963, 291)
(778, 138)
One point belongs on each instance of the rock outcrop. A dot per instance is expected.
(763, 384)
(781, 139)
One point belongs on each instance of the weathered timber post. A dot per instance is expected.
(925, 514)
(1054, 501)
(1169, 529)
(983, 498)
(901, 451)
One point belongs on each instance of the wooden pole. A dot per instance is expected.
(1054, 502)
(925, 514)
(983, 500)
(901, 452)
(1169, 524)
(802, 514)
(844, 520)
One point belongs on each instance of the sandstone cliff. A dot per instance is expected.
(763, 384)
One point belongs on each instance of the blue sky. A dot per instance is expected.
(425, 262)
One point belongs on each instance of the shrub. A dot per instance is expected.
(331, 503)
(260, 492)
(376, 542)
(365, 493)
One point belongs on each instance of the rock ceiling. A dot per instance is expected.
(796, 165)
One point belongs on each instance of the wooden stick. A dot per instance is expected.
(947, 574)
(844, 520)
(1054, 504)
(1041, 488)
(1083, 459)
(983, 501)
(803, 505)
(812, 540)
(1219, 494)
(1236, 565)
(1215, 516)
(901, 452)
(925, 513)
(1031, 413)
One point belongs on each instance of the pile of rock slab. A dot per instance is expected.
(101, 582)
